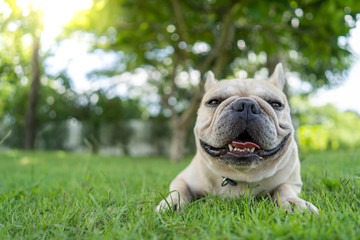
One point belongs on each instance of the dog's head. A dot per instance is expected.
(243, 123)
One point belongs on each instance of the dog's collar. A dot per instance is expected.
(227, 181)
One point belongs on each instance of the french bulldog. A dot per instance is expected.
(245, 140)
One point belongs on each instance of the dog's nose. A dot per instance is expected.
(246, 108)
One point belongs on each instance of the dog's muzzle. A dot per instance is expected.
(240, 152)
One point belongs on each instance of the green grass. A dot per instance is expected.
(56, 195)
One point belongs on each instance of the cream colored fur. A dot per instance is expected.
(278, 175)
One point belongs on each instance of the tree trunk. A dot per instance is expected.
(30, 124)
(181, 124)
(178, 142)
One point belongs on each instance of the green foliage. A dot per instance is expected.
(17, 31)
(325, 127)
(57, 105)
(59, 196)
(111, 112)
(20, 32)
(164, 37)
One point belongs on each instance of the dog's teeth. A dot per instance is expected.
(241, 150)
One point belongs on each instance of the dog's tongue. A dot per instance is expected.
(244, 145)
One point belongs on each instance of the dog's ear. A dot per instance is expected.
(278, 77)
(210, 80)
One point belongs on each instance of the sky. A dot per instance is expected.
(346, 96)
(73, 55)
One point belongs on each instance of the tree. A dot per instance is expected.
(17, 26)
(30, 124)
(176, 42)
(99, 111)
(325, 127)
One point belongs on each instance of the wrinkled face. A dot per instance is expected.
(243, 122)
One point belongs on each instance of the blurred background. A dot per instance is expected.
(126, 77)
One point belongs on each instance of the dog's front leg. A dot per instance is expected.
(286, 194)
(286, 197)
(179, 195)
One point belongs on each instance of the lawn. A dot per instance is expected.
(58, 195)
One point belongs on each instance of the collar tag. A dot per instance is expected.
(227, 181)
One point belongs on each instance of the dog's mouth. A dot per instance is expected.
(243, 150)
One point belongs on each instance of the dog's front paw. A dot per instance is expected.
(173, 202)
(295, 203)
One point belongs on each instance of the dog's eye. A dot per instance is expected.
(276, 105)
(213, 102)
